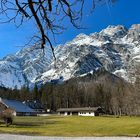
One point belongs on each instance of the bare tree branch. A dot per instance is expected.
(47, 14)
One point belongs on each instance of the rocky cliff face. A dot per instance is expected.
(22, 68)
(115, 49)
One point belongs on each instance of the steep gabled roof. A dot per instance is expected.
(16, 105)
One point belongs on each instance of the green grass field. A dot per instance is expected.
(74, 126)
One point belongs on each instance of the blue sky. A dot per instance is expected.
(124, 12)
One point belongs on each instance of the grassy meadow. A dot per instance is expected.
(74, 126)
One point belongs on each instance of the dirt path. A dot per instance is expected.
(22, 137)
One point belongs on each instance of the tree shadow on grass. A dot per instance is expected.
(55, 117)
(24, 124)
(33, 124)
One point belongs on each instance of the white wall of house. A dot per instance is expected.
(14, 113)
(86, 114)
(66, 113)
(78, 113)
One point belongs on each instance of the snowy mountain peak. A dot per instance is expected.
(114, 31)
(115, 49)
(109, 49)
(81, 36)
(135, 27)
(23, 67)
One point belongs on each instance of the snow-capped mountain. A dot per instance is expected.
(22, 68)
(116, 49)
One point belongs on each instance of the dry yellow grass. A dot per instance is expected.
(74, 126)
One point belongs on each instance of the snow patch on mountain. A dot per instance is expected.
(22, 68)
(115, 49)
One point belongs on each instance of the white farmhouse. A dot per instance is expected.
(85, 111)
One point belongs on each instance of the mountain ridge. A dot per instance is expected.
(114, 49)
